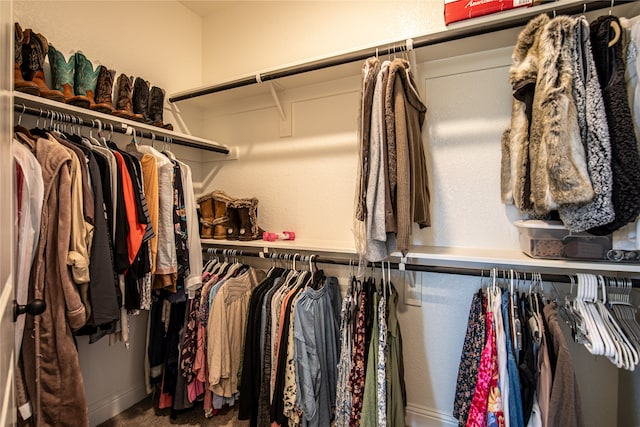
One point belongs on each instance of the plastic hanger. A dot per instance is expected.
(132, 146)
(615, 26)
(91, 138)
(166, 151)
(592, 342)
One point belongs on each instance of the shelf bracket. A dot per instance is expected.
(285, 120)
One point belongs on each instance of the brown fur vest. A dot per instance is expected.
(556, 168)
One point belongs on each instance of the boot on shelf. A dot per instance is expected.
(19, 83)
(34, 52)
(248, 215)
(104, 87)
(234, 222)
(62, 75)
(221, 222)
(124, 105)
(156, 108)
(140, 98)
(85, 78)
(206, 216)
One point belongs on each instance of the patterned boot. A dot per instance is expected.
(85, 78)
(104, 87)
(62, 74)
(34, 51)
(124, 105)
(19, 83)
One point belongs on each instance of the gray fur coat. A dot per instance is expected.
(592, 119)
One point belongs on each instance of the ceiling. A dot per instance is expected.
(205, 7)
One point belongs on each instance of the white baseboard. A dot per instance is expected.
(421, 416)
(112, 405)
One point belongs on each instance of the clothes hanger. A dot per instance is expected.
(627, 336)
(629, 353)
(592, 339)
(615, 26)
(94, 141)
(23, 134)
(132, 146)
(166, 151)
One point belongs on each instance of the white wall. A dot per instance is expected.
(161, 42)
(253, 36)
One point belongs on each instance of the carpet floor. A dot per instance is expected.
(146, 413)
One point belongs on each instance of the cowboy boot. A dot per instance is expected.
(62, 74)
(207, 216)
(234, 222)
(19, 83)
(156, 108)
(140, 98)
(104, 86)
(85, 78)
(124, 106)
(34, 52)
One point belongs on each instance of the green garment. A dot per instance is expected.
(396, 392)
(370, 404)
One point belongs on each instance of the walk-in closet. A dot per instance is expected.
(267, 149)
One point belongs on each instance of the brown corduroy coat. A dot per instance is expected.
(51, 367)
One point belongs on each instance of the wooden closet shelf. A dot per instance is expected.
(42, 107)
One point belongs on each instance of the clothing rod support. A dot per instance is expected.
(561, 278)
(119, 127)
(399, 46)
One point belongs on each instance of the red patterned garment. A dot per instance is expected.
(495, 412)
(478, 411)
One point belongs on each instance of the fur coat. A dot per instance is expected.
(556, 168)
(625, 160)
(523, 75)
(559, 172)
(592, 120)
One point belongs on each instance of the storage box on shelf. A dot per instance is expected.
(459, 10)
(551, 240)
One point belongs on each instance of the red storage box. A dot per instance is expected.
(459, 10)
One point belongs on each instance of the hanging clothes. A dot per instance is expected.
(594, 133)
(470, 360)
(392, 188)
(541, 388)
(567, 149)
(316, 336)
(564, 404)
(610, 65)
(29, 197)
(51, 367)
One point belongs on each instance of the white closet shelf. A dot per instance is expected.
(454, 257)
(322, 246)
(36, 105)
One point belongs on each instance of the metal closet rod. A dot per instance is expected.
(561, 278)
(400, 46)
(119, 128)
